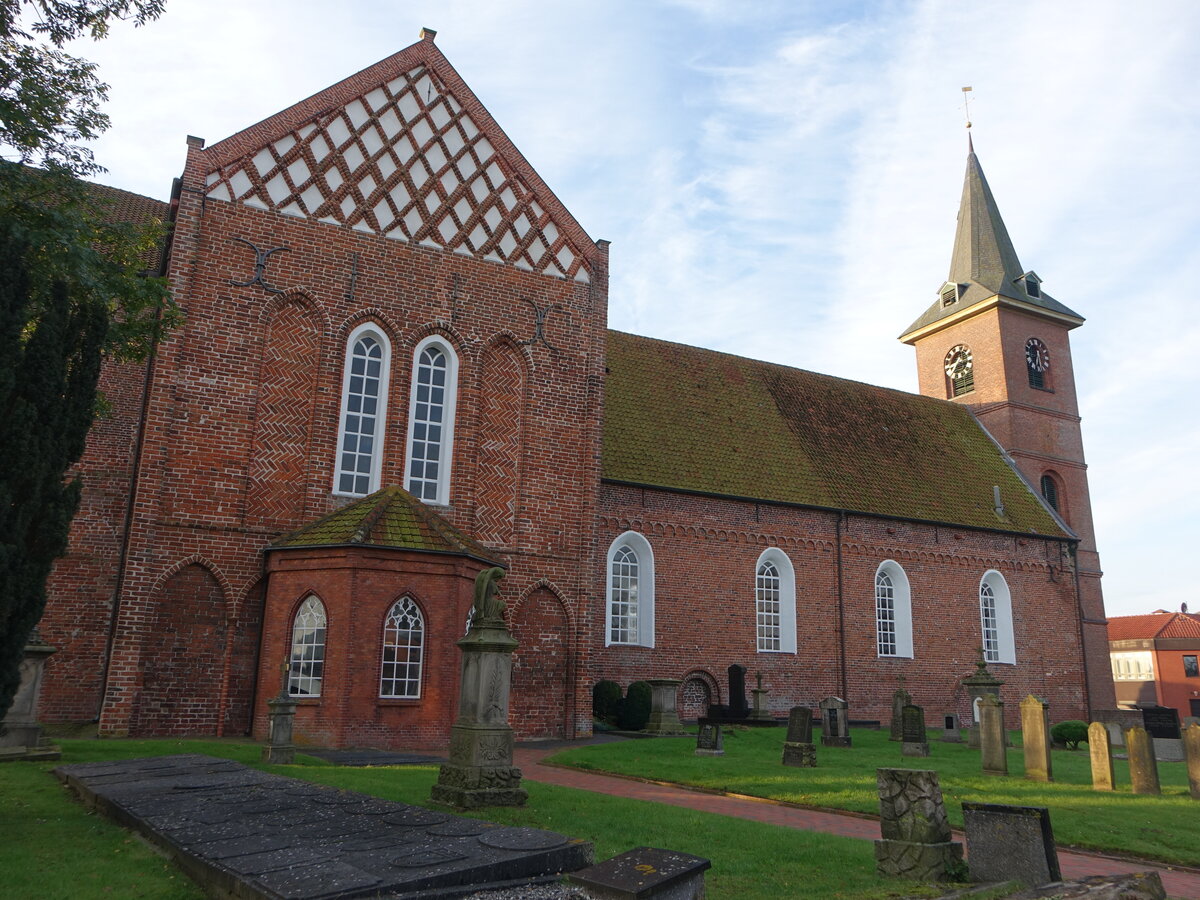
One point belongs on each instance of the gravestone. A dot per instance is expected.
(644, 873)
(1100, 749)
(1010, 843)
(738, 708)
(20, 732)
(480, 771)
(835, 722)
(282, 717)
(760, 711)
(664, 718)
(900, 699)
(916, 833)
(709, 740)
(1143, 767)
(978, 685)
(1191, 744)
(798, 749)
(950, 729)
(993, 753)
(1162, 722)
(913, 732)
(1035, 735)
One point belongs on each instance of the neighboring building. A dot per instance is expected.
(396, 370)
(1154, 660)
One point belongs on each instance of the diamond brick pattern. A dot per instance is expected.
(404, 160)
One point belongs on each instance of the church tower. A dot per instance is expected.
(996, 342)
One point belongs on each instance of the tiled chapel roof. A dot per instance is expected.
(1153, 625)
(390, 517)
(692, 419)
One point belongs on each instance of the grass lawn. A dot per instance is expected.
(53, 848)
(1163, 828)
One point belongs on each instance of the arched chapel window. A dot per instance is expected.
(893, 611)
(431, 421)
(364, 404)
(995, 614)
(403, 651)
(629, 617)
(1037, 364)
(960, 370)
(307, 661)
(775, 603)
(1049, 488)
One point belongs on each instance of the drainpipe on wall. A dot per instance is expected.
(841, 607)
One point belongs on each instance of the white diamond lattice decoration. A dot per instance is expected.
(407, 162)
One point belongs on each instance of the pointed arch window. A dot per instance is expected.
(403, 651)
(431, 421)
(775, 603)
(364, 407)
(995, 614)
(629, 615)
(893, 611)
(307, 660)
(1049, 487)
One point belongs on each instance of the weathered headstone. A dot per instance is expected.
(1100, 749)
(480, 771)
(1143, 767)
(1191, 745)
(993, 753)
(916, 833)
(900, 699)
(950, 729)
(709, 740)
(1035, 735)
(798, 749)
(281, 721)
(20, 732)
(760, 711)
(835, 722)
(664, 718)
(913, 732)
(644, 873)
(1010, 843)
(738, 708)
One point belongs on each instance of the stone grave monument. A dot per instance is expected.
(644, 873)
(738, 708)
(1035, 736)
(916, 833)
(1143, 766)
(664, 718)
(835, 722)
(20, 732)
(1191, 746)
(760, 711)
(1010, 843)
(480, 771)
(978, 685)
(900, 699)
(1162, 722)
(798, 749)
(913, 732)
(280, 750)
(993, 752)
(709, 741)
(950, 729)
(1100, 749)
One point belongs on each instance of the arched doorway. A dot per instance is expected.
(541, 679)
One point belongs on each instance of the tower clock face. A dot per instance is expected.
(1037, 357)
(958, 361)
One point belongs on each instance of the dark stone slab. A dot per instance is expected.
(1162, 722)
(1010, 843)
(244, 833)
(645, 872)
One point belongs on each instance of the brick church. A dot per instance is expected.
(396, 371)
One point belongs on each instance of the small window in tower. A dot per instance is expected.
(949, 295)
(1032, 285)
(1050, 491)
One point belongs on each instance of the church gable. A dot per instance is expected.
(413, 157)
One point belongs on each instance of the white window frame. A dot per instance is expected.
(367, 329)
(1006, 648)
(901, 610)
(449, 405)
(640, 548)
(405, 605)
(298, 660)
(787, 601)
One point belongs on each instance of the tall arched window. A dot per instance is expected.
(775, 602)
(364, 405)
(995, 615)
(403, 649)
(1049, 487)
(431, 421)
(893, 611)
(307, 666)
(629, 617)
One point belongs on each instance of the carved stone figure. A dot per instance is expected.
(489, 608)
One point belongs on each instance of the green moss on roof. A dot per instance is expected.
(390, 517)
(691, 419)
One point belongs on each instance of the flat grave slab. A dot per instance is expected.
(241, 832)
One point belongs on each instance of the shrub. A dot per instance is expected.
(1071, 732)
(606, 695)
(634, 711)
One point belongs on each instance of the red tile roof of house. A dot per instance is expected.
(1153, 625)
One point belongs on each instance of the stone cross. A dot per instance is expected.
(1143, 767)
(1035, 735)
(1191, 748)
(913, 732)
(1100, 749)
(798, 749)
(991, 736)
(916, 833)
(900, 699)
(760, 711)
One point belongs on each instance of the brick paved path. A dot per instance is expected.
(1178, 883)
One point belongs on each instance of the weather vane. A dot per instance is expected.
(967, 104)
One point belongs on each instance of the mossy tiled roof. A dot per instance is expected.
(691, 419)
(390, 517)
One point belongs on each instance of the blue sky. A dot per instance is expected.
(781, 179)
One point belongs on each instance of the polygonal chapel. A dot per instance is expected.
(396, 371)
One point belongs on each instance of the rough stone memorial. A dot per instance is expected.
(20, 732)
(913, 732)
(993, 752)
(644, 873)
(900, 699)
(664, 717)
(1010, 843)
(798, 748)
(1191, 745)
(1035, 736)
(709, 740)
(480, 771)
(835, 722)
(1100, 750)
(916, 833)
(1143, 766)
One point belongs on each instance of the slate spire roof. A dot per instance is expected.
(984, 263)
